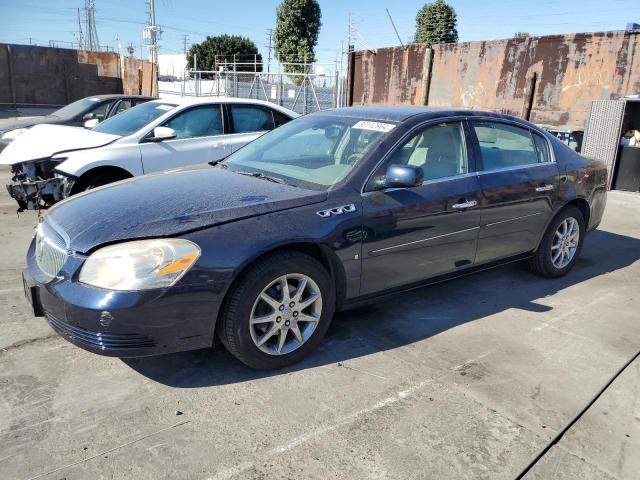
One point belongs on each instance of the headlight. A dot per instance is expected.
(13, 134)
(139, 265)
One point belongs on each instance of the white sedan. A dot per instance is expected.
(51, 162)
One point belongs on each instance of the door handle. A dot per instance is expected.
(463, 205)
(544, 188)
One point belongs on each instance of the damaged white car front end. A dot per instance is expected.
(34, 156)
(36, 184)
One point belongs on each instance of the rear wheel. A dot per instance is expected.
(561, 244)
(278, 312)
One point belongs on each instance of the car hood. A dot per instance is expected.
(169, 204)
(43, 141)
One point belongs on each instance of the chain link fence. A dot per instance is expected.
(301, 92)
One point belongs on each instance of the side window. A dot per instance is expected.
(249, 118)
(101, 110)
(503, 145)
(542, 148)
(197, 122)
(122, 106)
(280, 118)
(438, 149)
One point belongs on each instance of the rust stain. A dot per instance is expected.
(570, 71)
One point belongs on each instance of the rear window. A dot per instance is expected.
(504, 146)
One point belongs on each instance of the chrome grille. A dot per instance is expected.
(51, 251)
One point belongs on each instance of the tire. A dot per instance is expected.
(97, 180)
(549, 260)
(245, 305)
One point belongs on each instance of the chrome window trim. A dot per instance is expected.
(371, 252)
(552, 155)
(409, 134)
(519, 167)
(532, 129)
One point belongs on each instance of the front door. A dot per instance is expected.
(199, 139)
(519, 183)
(411, 234)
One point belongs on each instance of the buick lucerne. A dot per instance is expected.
(329, 211)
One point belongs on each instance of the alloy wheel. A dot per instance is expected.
(565, 242)
(285, 314)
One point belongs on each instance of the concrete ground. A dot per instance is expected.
(468, 379)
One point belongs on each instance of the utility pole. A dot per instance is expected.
(270, 31)
(152, 32)
(185, 39)
(80, 34)
(93, 44)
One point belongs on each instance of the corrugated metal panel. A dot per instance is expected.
(569, 70)
(390, 76)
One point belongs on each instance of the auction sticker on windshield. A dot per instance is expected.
(164, 107)
(375, 126)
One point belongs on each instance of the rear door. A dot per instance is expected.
(519, 184)
(199, 139)
(411, 234)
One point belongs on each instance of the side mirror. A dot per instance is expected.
(162, 133)
(88, 116)
(91, 123)
(403, 176)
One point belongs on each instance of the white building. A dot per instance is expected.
(172, 64)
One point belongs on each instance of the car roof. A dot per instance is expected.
(110, 96)
(191, 101)
(405, 113)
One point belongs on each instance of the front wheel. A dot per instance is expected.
(278, 312)
(561, 244)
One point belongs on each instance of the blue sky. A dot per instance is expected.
(477, 20)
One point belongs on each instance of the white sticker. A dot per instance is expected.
(291, 93)
(94, 99)
(375, 126)
(166, 108)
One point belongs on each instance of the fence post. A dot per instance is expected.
(235, 77)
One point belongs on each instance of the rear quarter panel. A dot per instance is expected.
(583, 178)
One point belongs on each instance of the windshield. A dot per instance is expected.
(317, 151)
(76, 108)
(134, 119)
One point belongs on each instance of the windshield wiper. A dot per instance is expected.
(263, 176)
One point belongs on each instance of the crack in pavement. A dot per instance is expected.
(29, 341)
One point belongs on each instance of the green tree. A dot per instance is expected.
(521, 35)
(296, 35)
(225, 47)
(436, 23)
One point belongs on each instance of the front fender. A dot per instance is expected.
(125, 156)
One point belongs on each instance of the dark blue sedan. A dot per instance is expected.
(327, 212)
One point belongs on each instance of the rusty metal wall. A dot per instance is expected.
(57, 76)
(566, 73)
(391, 76)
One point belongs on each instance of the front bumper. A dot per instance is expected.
(36, 194)
(122, 324)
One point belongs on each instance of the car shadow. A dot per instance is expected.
(407, 318)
